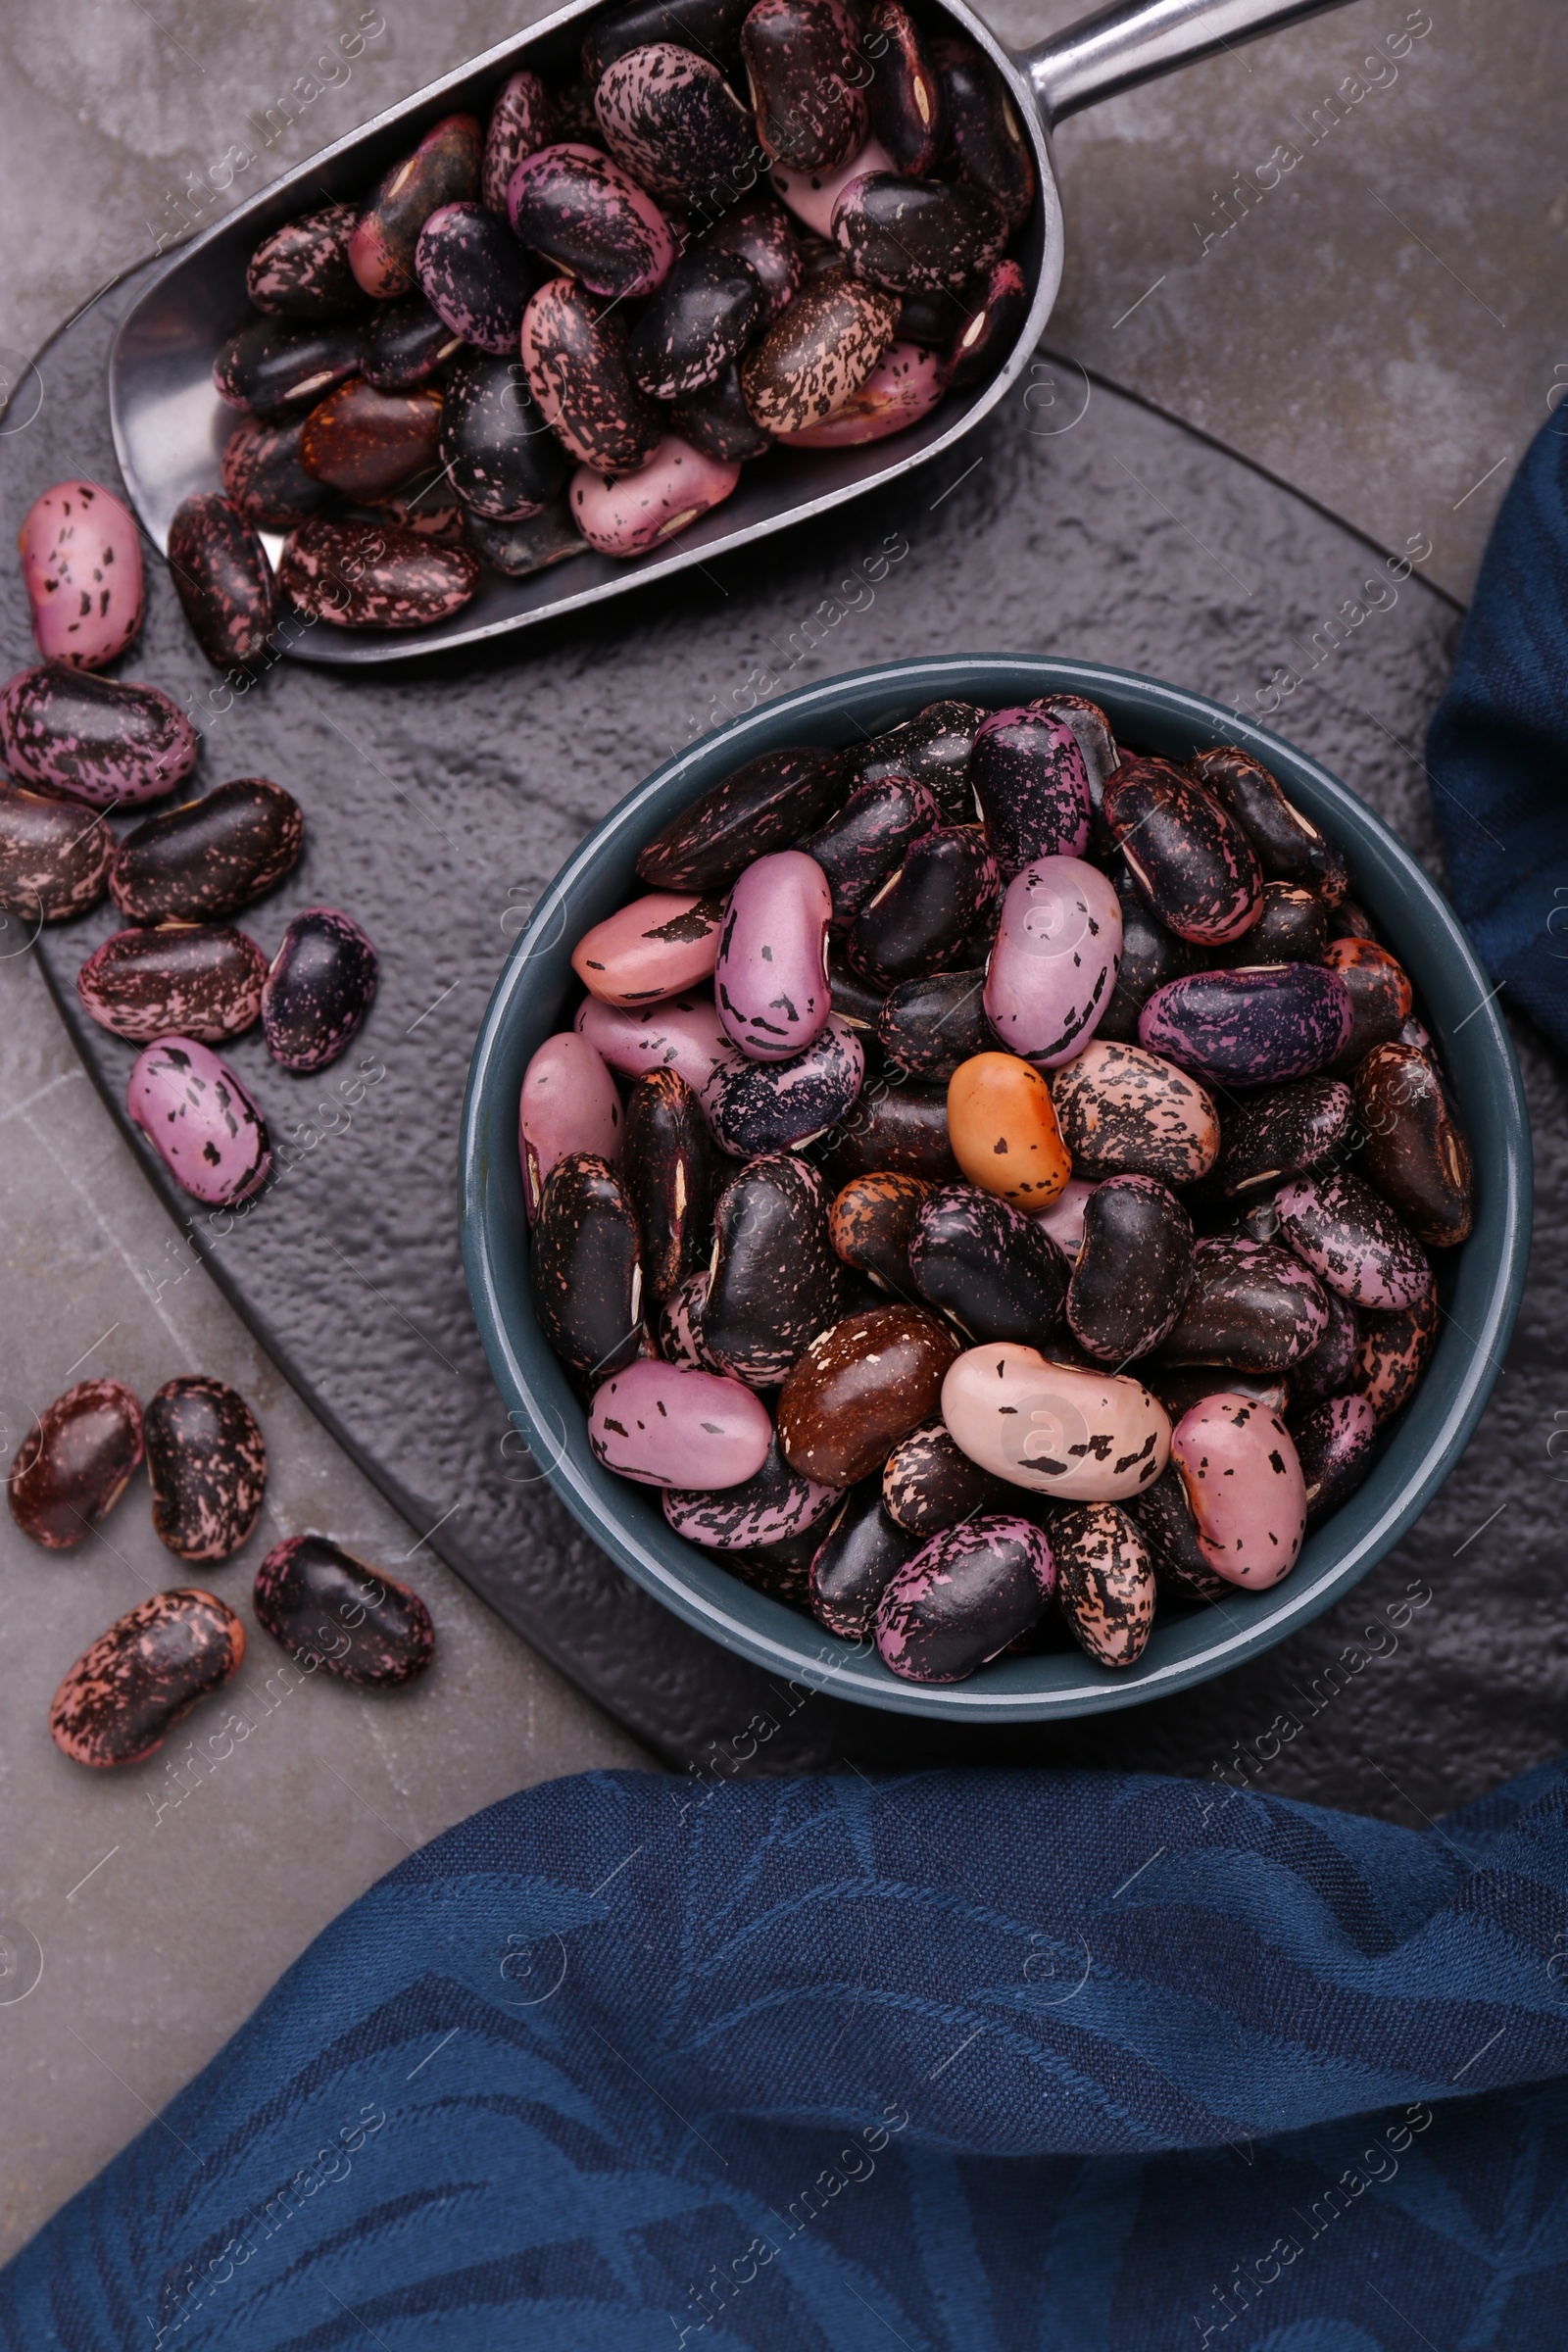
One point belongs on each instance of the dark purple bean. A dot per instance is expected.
(1328, 1369)
(1180, 1386)
(1288, 845)
(499, 455)
(713, 27)
(322, 1606)
(1133, 1271)
(928, 1027)
(697, 324)
(319, 987)
(762, 807)
(527, 544)
(1188, 856)
(1353, 1241)
(1393, 1354)
(918, 920)
(521, 121)
(76, 1462)
(54, 861)
(670, 118)
(1293, 928)
(272, 366)
(201, 981)
(126, 1694)
(995, 312)
(868, 840)
(910, 236)
(1287, 1132)
(759, 234)
(1164, 1519)
(584, 215)
(1250, 1026)
(1335, 1445)
(932, 749)
(863, 1551)
(715, 420)
(985, 130)
(668, 1172)
(1031, 788)
(810, 112)
(207, 858)
(443, 168)
(1151, 955)
(905, 93)
(775, 1280)
(900, 1129)
(302, 269)
(474, 276)
(364, 575)
(264, 477)
(928, 1484)
(587, 1270)
(406, 343)
(207, 1462)
(428, 506)
(963, 1598)
(996, 1273)
(92, 738)
(1250, 1304)
(223, 579)
(1412, 1145)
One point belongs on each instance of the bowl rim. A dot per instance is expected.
(621, 1517)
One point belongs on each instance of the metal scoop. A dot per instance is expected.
(170, 425)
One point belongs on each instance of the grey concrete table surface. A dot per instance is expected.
(1379, 321)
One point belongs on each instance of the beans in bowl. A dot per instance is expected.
(989, 1185)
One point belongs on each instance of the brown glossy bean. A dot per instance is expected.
(76, 1462)
(126, 1694)
(1412, 1145)
(859, 1389)
(207, 1463)
(200, 980)
(328, 1608)
(1380, 992)
(54, 857)
(871, 1222)
(669, 1174)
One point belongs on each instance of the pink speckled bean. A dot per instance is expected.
(81, 567)
(94, 739)
(665, 1426)
(683, 1035)
(1052, 969)
(199, 1119)
(1353, 1241)
(770, 981)
(1064, 1220)
(658, 946)
(1243, 1477)
(812, 195)
(638, 511)
(569, 1102)
(903, 386)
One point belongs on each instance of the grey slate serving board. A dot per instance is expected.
(440, 798)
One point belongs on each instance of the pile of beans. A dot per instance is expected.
(180, 979)
(602, 280)
(207, 1467)
(989, 1182)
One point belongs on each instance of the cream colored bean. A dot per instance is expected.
(1087, 1437)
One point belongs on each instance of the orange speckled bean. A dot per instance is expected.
(1004, 1132)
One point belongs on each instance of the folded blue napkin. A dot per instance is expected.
(1497, 750)
(630, 2064)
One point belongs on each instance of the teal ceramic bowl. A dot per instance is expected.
(1480, 1284)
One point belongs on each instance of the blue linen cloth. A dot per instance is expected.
(630, 2064)
(1497, 750)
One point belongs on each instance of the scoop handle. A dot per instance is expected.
(1137, 40)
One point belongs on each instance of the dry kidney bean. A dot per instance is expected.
(520, 120)
(82, 568)
(207, 1463)
(319, 987)
(303, 268)
(474, 276)
(443, 168)
(905, 93)
(404, 345)
(584, 213)
(199, 980)
(265, 478)
(1380, 992)
(53, 864)
(918, 235)
(1289, 846)
(985, 130)
(322, 1604)
(94, 739)
(273, 366)
(126, 1694)
(367, 575)
(76, 1462)
(366, 443)
(817, 353)
(963, 1598)
(200, 1120)
(812, 1281)
(210, 857)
